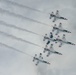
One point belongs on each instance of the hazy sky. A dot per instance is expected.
(15, 63)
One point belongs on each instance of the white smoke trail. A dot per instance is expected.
(21, 16)
(5, 45)
(16, 27)
(19, 39)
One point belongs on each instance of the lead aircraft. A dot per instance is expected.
(59, 29)
(51, 50)
(39, 59)
(56, 16)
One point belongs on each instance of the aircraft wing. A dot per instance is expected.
(35, 57)
(61, 43)
(40, 56)
(49, 53)
(60, 26)
(51, 49)
(37, 62)
(57, 32)
(57, 13)
(54, 19)
(63, 38)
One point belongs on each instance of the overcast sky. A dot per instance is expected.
(15, 63)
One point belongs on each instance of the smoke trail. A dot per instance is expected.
(14, 49)
(22, 39)
(21, 16)
(16, 27)
(20, 5)
(19, 39)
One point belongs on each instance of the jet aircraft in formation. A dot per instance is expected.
(59, 29)
(39, 59)
(63, 41)
(51, 39)
(51, 50)
(56, 16)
